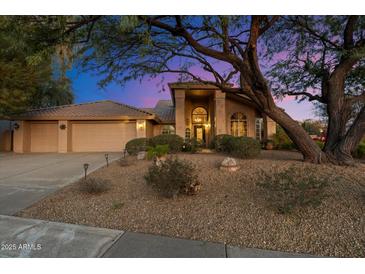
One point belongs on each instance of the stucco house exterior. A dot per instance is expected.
(195, 110)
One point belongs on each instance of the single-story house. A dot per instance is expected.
(195, 110)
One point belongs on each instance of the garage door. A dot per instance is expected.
(44, 137)
(101, 136)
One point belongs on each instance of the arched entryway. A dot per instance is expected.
(199, 120)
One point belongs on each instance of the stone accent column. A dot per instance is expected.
(220, 112)
(270, 127)
(21, 137)
(63, 136)
(180, 112)
(141, 128)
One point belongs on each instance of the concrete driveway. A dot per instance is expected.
(27, 178)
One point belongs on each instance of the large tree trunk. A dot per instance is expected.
(310, 150)
(341, 153)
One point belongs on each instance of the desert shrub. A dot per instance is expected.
(281, 140)
(117, 205)
(360, 151)
(174, 141)
(245, 147)
(94, 185)
(217, 141)
(173, 177)
(157, 151)
(240, 147)
(136, 145)
(292, 188)
(192, 145)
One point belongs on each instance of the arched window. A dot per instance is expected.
(238, 124)
(168, 129)
(200, 116)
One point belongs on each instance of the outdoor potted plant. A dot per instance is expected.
(269, 145)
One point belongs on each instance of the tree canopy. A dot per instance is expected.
(28, 69)
(320, 58)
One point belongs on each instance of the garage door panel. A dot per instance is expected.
(43, 137)
(102, 136)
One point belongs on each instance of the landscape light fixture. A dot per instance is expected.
(107, 159)
(86, 166)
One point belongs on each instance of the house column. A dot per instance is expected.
(220, 112)
(269, 127)
(180, 112)
(141, 129)
(63, 136)
(21, 139)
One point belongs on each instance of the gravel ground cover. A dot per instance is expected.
(229, 207)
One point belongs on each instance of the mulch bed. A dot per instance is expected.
(228, 209)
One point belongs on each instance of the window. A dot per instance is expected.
(168, 129)
(187, 134)
(200, 116)
(259, 128)
(238, 124)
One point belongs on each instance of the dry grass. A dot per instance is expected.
(228, 208)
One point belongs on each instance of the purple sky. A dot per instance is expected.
(147, 92)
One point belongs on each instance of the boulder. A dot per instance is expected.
(229, 164)
(141, 155)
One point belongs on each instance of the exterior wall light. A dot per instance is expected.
(207, 125)
(141, 125)
(63, 126)
(16, 126)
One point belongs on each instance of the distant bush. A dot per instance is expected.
(281, 140)
(174, 141)
(360, 151)
(192, 145)
(136, 145)
(173, 177)
(292, 188)
(320, 144)
(94, 185)
(157, 151)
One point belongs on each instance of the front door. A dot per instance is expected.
(199, 133)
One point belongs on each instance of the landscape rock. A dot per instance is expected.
(229, 164)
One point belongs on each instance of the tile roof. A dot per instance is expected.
(165, 110)
(96, 109)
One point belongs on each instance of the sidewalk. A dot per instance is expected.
(20, 237)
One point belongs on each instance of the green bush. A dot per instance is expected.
(136, 145)
(244, 147)
(282, 140)
(217, 141)
(192, 145)
(94, 185)
(157, 151)
(240, 147)
(360, 151)
(292, 188)
(174, 141)
(173, 177)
